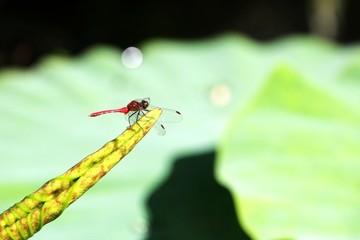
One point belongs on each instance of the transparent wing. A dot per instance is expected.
(160, 129)
(168, 115)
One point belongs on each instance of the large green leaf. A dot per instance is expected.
(45, 127)
(292, 160)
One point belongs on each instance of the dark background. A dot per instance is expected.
(30, 29)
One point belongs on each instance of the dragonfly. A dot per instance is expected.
(138, 107)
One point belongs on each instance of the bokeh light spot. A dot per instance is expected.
(132, 57)
(220, 95)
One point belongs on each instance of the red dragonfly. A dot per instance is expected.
(138, 107)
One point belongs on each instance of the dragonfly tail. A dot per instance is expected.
(118, 110)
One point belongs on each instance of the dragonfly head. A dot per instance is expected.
(144, 104)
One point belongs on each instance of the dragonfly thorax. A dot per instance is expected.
(138, 105)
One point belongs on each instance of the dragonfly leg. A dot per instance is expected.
(133, 115)
(139, 114)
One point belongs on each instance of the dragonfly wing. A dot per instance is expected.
(160, 129)
(170, 116)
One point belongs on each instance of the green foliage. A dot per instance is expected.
(291, 160)
(292, 121)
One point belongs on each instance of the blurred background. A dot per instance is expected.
(269, 91)
(31, 29)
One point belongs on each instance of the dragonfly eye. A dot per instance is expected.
(145, 104)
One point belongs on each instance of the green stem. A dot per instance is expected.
(28, 216)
